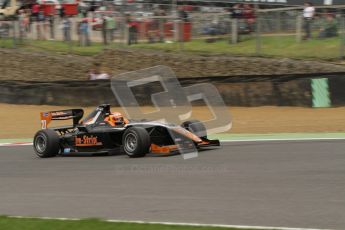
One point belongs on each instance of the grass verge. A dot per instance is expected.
(56, 47)
(271, 46)
(11, 223)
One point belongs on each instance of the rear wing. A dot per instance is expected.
(75, 114)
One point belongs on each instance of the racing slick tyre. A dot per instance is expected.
(136, 142)
(196, 127)
(46, 143)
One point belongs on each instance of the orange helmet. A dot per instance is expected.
(116, 118)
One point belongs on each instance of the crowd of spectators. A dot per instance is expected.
(246, 13)
(109, 20)
(45, 23)
(327, 23)
(92, 16)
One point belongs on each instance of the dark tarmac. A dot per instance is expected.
(290, 184)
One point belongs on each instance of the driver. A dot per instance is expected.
(116, 119)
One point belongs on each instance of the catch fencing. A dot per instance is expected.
(275, 32)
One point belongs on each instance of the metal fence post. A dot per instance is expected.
(279, 25)
(176, 30)
(161, 29)
(258, 33)
(194, 31)
(234, 30)
(126, 34)
(342, 37)
(175, 16)
(33, 30)
(73, 29)
(181, 35)
(14, 27)
(299, 25)
(122, 25)
(70, 42)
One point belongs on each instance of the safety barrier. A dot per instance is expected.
(289, 90)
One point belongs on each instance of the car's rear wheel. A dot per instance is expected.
(196, 127)
(136, 142)
(46, 143)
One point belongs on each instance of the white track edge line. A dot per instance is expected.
(287, 139)
(176, 224)
(14, 144)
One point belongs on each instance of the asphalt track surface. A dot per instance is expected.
(290, 184)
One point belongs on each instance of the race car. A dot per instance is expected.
(103, 131)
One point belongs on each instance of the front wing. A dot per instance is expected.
(176, 147)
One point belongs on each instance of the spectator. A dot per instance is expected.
(34, 11)
(41, 16)
(59, 9)
(29, 19)
(236, 11)
(133, 30)
(329, 27)
(249, 15)
(308, 15)
(51, 26)
(96, 73)
(110, 26)
(40, 26)
(78, 27)
(82, 9)
(104, 30)
(133, 34)
(155, 26)
(84, 32)
(22, 23)
(26, 21)
(66, 28)
(183, 15)
(61, 12)
(213, 27)
(162, 21)
(93, 7)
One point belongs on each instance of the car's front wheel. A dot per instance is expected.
(46, 143)
(136, 142)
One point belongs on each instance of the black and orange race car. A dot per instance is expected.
(104, 132)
